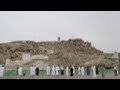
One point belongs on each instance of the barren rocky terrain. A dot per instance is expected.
(64, 52)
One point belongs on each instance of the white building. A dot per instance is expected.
(26, 56)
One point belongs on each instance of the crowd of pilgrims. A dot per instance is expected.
(60, 70)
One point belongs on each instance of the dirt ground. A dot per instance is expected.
(62, 77)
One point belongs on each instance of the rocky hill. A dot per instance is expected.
(72, 51)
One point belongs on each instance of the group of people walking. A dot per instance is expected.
(33, 71)
(60, 70)
(72, 70)
(57, 70)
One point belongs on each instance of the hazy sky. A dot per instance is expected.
(101, 28)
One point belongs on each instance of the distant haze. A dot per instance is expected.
(101, 28)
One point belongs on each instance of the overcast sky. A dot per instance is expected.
(101, 28)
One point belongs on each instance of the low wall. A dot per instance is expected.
(43, 57)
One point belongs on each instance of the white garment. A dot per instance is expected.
(57, 69)
(32, 70)
(48, 70)
(53, 70)
(94, 71)
(117, 72)
(20, 71)
(83, 71)
(79, 70)
(73, 69)
(67, 71)
(62, 68)
(1, 71)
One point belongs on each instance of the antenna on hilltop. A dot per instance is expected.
(58, 38)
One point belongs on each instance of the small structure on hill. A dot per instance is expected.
(26, 56)
(58, 39)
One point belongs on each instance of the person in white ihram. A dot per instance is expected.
(73, 69)
(53, 70)
(82, 70)
(79, 70)
(20, 73)
(57, 70)
(94, 71)
(32, 70)
(1, 71)
(67, 70)
(48, 70)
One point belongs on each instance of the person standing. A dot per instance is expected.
(57, 70)
(67, 70)
(37, 71)
(20, 71)
(31, 74)
(71, 71)
(102, 71)
(62, 70)
(2, 71)
(32, 70)
(17, 70)
(82, 70)
(48, 70)
(88, 70)
(94, 71)
(115, 71)
(53, 71)
(97, 70)
(79, 70)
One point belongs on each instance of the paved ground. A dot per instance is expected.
(62, 77)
